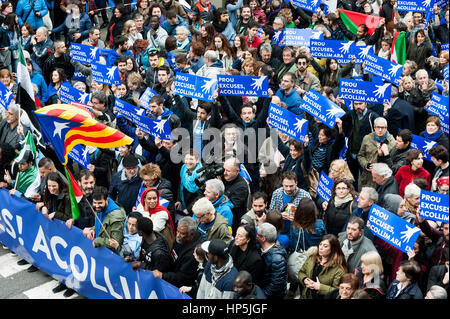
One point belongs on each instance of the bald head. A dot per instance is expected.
(231, 169)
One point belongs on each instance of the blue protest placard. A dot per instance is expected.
(439, 107)
(194, 86)
(332, 49)
(434, 206)
(69, 257)
(324, 187)
(441, 3)
(84, 53)
(444, 47)
(363, 91)
(79, 154)
(279, 37)
(321, 108)
(383, 68)
(287, 122)
(309, 5)
(157, 128)
(415, 5)
(145, 98)
(108, 75)
(69, 94)
(243, 85)
(393, 229)
(78, 76)
(446, 74)
(420, 143)
(5, 96)
(361, 51)
(301, 37)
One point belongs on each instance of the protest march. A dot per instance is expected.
(226, 150)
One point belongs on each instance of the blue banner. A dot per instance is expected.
(415, 5)
(441, 3)
(278, 37)
(434, 206)
(393, 229)
(157, 128)
(79, 154)
(287, 122)
(324, 187)
(84, 53)
(145, 98)
(243, 85)
(446, 74)
(69, 257)
(5, 96)
(363, 91)
(342, 51)
(194, 86)
(301, 37)
(444, 47)
(69, 94)
(420, 143)
(361, 51)
(78, 76)
(108, 75)
(321, 108)
(309, 5)
(389, 71)
(439, 107)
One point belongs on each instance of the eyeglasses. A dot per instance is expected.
(341, 188)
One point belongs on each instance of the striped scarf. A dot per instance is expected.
(318, 158)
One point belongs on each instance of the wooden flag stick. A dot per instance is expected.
(96, 216)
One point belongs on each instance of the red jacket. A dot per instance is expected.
(256, 42)
(405, 176)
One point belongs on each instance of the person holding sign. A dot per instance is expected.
(439, 237)
(440, 157)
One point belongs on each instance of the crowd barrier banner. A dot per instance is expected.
(439, 107)
(393, 229)
(287, 122)
(420, 143)
(324, 187)
(156, 128)
(84, 53)
(242, 85)
(67, 256)
(5, 96)
(434, 206)
(389, 71)
(69, 94)
(321, 108)
(301, 37)
(194, 86)
(415, 5)
(108, 75)
(371, 92)
(342, 51)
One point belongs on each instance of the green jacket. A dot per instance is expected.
(219, 230)
(25, 179)
(329, 280)
(114, 223)
(368, 153)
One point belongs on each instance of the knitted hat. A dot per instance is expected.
(392, 202)
(130, 161)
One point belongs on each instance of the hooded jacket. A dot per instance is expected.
(113, 220)
(124, 190)
(156, 255)
(219, 229)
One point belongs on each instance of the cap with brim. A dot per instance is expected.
(215, 247)
(130, 161)
(26, 158)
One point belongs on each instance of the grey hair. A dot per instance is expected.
(211, 56)
(188, 222)
(380, 120)
(203, 206)
(438, 292)
(269, 231)
(382, 169)
(280, 18)
(265, 47)
(216, 185)
(412, 190)
(373, 194)
(183, 28)
(421, 71)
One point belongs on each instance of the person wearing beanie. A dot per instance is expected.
(126, 183)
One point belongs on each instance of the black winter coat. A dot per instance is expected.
(157, 255)
(249, 260)
(275, 272)
(336, 217)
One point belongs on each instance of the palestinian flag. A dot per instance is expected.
(398, 48)
(75, 193)
(353, 19)
(25, 94)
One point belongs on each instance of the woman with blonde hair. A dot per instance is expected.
(130, 31)
(248, 67)
(370, 275)
(322, 271)
(339, 169)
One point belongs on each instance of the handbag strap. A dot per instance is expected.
(300, 231)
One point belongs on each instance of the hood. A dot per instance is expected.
(223, 201)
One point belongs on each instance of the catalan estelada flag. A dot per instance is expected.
(66, 125)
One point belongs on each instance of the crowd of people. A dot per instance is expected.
(209, 229)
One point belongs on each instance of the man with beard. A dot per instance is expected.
(242, 25)
(184, 270)
(259, 209)
(305, 80)
(354, 244)
(121, 48)
(86, 181)
(109, 221)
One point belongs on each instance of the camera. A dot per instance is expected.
(209, 171)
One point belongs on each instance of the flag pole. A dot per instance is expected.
(96, 216)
